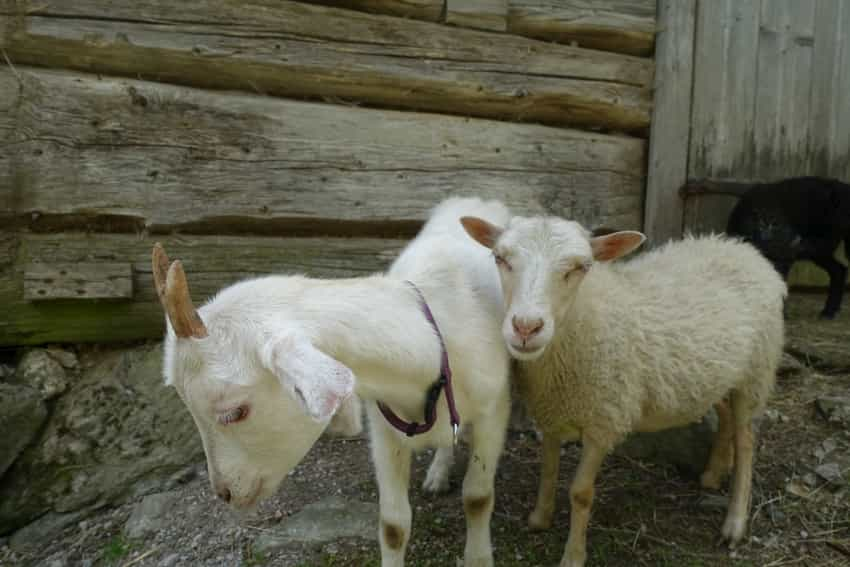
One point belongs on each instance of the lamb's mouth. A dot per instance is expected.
(527, 350)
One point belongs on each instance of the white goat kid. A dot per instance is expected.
(610, 348)
(265, 364)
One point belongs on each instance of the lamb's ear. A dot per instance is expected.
(484, 232)
(320, 383)
(616, 245)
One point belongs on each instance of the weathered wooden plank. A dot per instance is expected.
(290, 49)
(832, 147)
(130, 156)
(211, 262)
(783, 91)
(478, 14)
(670, 134)
(427, 10)
(624, 26)
(80, 280)
(725, 74)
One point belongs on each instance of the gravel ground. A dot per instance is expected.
(645, 514)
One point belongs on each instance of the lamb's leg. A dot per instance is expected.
(736, 517)
(488, 439)
(837, 280)
(581, 501)
(722, 450)
(437, 479)
(550, 453)
(392, 470)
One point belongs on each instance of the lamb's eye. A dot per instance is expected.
(500, 261)
(234, 415)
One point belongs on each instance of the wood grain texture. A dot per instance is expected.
(478, 14)
(80, 280)
(427, 10)
(671, 128)
(783, 90)
(211, 262)
(725, 74)
(131, 156)
(298, 50)
(623, 26)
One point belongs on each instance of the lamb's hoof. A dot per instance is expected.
(539, 521)
(575, 560)
(711, 480)
(733, 530)
(436, 481)
(478, 562)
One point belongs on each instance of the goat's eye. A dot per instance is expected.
(500, 261)
(234, 415)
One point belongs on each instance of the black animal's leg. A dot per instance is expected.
(837, 280)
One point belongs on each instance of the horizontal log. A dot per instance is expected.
(211, 263)
(298, 50)
(427, 10)
(478, 14)
(81, 280)
(130, 156)
(623, 26)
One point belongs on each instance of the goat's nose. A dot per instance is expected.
(527, 328)
(224, 494)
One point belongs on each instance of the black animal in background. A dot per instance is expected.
(803, 218)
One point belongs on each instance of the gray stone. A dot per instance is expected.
(835, 409)
(149, 515)
(64, 357)
(22, 413)
(327, 520)
(6, 371)
(687, 448)
(170, 560)
(47, 528)
(118, 433)
(831, 472)
(40, 371)
(789, 365)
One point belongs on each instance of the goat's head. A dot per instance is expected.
(260, 399)
(542, 262)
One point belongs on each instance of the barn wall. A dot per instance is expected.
(274, 136)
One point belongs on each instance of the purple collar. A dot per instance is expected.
(443, 382)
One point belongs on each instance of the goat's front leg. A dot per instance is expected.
(392, 469)
(488, 439)
(581, 501)
(550, 454)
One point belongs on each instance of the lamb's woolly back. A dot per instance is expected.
(656, 341)
(606, 349)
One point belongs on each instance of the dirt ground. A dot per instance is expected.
(645, 513)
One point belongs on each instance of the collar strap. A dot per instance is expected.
(444, 382)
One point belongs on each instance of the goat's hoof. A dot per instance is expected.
(539, 521)
(733, 530)
(437, 483)
(827, 315)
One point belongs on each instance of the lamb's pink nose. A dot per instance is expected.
(526, 328)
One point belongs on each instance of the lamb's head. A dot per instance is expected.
(542, 262)
(260, 400)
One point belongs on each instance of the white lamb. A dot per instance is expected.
(265, 364)
(610, 348)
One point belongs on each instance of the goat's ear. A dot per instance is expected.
(484, 232)
(320, 383)
(616, 245)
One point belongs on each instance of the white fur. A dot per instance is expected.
(293, 350)
(638, 346)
